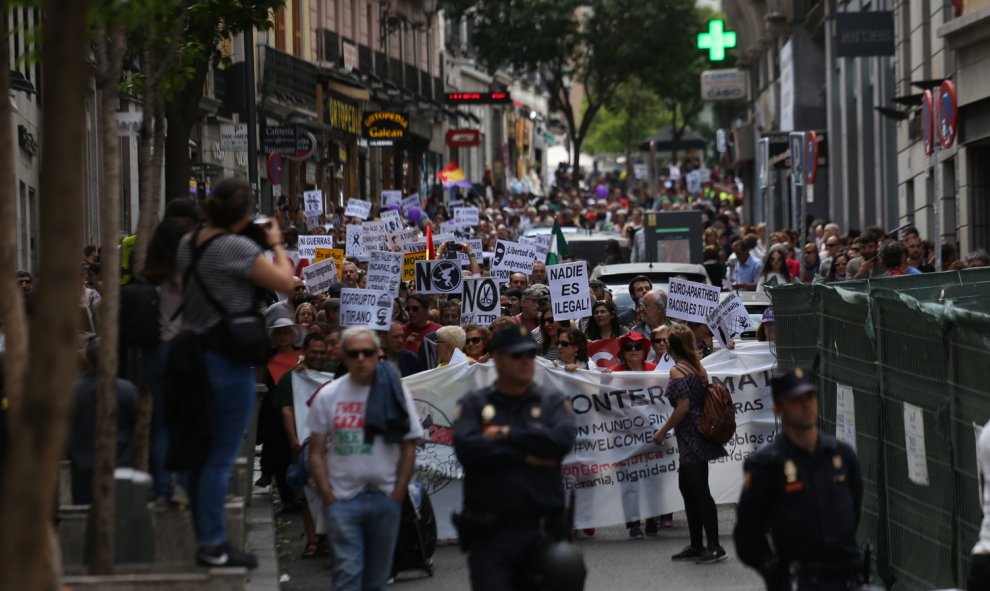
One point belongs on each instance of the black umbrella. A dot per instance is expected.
(664, 141)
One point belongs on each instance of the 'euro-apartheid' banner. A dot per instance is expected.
(617, 472)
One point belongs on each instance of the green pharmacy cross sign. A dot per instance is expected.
(716, 40)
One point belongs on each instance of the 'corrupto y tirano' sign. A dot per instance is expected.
(480, 301)
(690, 301)
(570, 296)
(365, 307)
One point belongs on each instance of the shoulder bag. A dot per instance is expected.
(241, 337)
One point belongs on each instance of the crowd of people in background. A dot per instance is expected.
(206, 269)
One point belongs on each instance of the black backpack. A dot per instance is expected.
(140, 316)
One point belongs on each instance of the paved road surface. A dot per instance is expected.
(615, 563)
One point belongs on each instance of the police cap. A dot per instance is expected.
(512, 339)
(792, 384)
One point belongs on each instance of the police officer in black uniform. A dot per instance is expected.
(797, 516)
(510, 438)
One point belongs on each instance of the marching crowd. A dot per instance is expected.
(232, 312)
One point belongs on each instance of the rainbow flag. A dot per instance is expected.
(453, 176)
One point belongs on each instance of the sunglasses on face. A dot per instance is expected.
(526, 354)
(629, 347)
(357, 353)
(659, 341)
(413, 308)
(564, 344)
(473, 340)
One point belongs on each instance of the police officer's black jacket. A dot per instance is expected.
(497, 478)
(810, 503)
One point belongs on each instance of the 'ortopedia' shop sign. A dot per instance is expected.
(385, 128)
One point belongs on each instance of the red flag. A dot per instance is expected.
(604, 352)
(431, 251)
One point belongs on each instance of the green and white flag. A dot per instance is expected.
(558, 246)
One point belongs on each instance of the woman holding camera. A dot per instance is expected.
(223, 269)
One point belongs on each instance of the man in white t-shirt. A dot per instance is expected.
(362, 475)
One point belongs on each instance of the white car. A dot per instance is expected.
(617, 278)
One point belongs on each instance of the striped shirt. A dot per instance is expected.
(225, 268)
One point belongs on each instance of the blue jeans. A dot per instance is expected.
(153, 359)
(231, 405)
(362, 533)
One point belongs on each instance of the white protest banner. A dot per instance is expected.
(391, 198)
(687, 300)
(417, 246)
(693, 181)
(358, 208)
(480, 301)
(318, 277)
(305, 383)
(442, 277)
(392, 220)
(466, 216)
(570, 296)
(396, 240)
(513, 257)
(729, 319)
(541, 243)
(373, 236)
(355, 241)
(501, 275)
(313, 202)
(337, 254)
(616, 471)
(410, 202)
(365, 307)
(312, 220)
(384, 272)
(308, 244)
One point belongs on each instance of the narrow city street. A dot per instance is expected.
(614, 562)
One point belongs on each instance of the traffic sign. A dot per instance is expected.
(796, 139)
(948, 114)
(716, 40)
(275, 165)
(810, 157)
(927, 122)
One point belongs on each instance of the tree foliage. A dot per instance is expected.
(621, 125)
(593, 44)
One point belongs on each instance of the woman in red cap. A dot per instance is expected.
(632, 353)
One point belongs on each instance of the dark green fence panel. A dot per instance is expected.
(920, 516)
(848, 360)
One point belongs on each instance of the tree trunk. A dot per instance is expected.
(147, 215)
(101, 532)
(182, 113)
(11, 300)
(38, 433)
